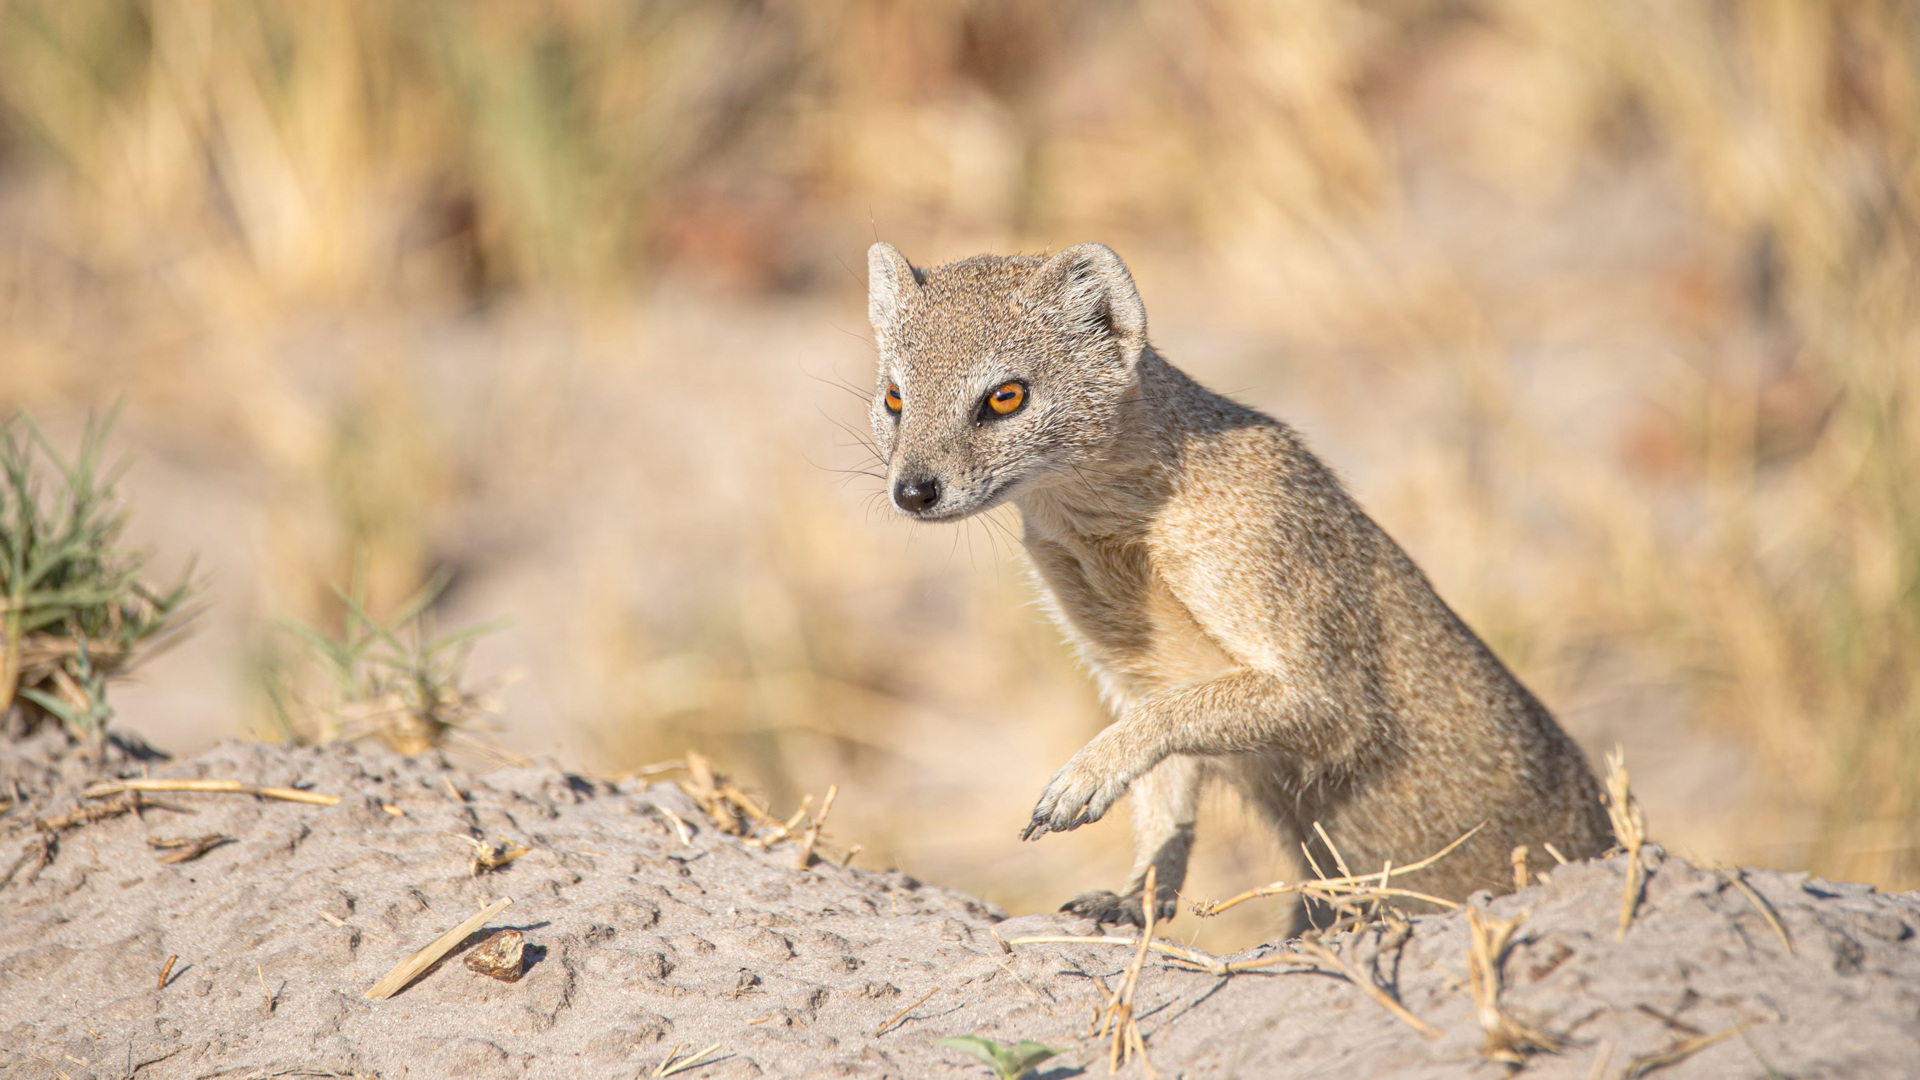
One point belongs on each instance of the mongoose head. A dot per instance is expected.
(997, 375)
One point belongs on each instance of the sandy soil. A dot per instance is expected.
(639, 943)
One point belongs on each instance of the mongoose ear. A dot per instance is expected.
(1091, 287)
(890, 280)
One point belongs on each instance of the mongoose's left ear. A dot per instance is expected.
(890, 280)
(1089, 285)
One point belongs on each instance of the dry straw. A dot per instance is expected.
(1507, 1039)
(231, 787)
(1349, 889)
(409, 969)
(896, 1018)
(182, 849)
(1678, 1052)
(1358, 897)
(677, 1064)
(737, 813)
(1630, 830)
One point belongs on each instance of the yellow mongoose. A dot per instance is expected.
(1243, 616)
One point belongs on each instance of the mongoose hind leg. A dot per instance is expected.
(1163, 803)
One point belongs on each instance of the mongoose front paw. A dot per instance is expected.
(1075, 796)
(1105, 907)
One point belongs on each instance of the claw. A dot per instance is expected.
(1106, 908)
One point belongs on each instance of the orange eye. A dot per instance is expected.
(893, 399)
(1007, 398)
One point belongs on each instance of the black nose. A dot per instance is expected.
(914, 496)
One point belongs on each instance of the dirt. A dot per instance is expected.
(639, 943)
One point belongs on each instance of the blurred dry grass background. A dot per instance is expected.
(1607, 311)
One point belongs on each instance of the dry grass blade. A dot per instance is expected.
(897, 1017)
(1192, 956)
(1321, 953)
(1519, 860)
(756, 813)
(680, 826)
(1339, 860)
(227, 787)
(1349, 888)
(1630, 829)
(186, 848)
(812, 835)
(1600, 1061)
(1117, 1022)
(409, 969)
(1507, 1040)
(166, 970)
(1008, 968)
(1738, 878)
(703, 787)
(1678, 1052)
(784, 829)
(676, 1064)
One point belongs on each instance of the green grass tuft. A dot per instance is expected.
(391, 679)
(74, 610)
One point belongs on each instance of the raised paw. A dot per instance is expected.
(1075, 796)
(1105, 907)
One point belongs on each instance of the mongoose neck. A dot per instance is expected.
(1115, 483)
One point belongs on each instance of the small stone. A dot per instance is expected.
(500, 956)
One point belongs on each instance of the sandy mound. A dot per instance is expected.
(638, 943)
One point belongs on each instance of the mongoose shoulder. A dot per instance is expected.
(1244, 618)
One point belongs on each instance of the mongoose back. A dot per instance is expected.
(1244, 618)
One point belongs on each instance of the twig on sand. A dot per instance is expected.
(1600, 1061)
(231, 787)
(186, 848)
(897, 1017)
(1197, 959)
(410, 968)
(680, 827)
(1507, 1040)
(1630, 829)
(166, 970)
(1023, 983)
(1738, 878)
(1678, 1052)
(675, 1063)
(1320, 952)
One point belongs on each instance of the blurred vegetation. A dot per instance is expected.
(189, 187)
(394, 680)
(74, 611)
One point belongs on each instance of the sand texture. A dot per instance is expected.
(637, 943)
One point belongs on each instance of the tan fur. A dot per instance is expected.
(1244, 618)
